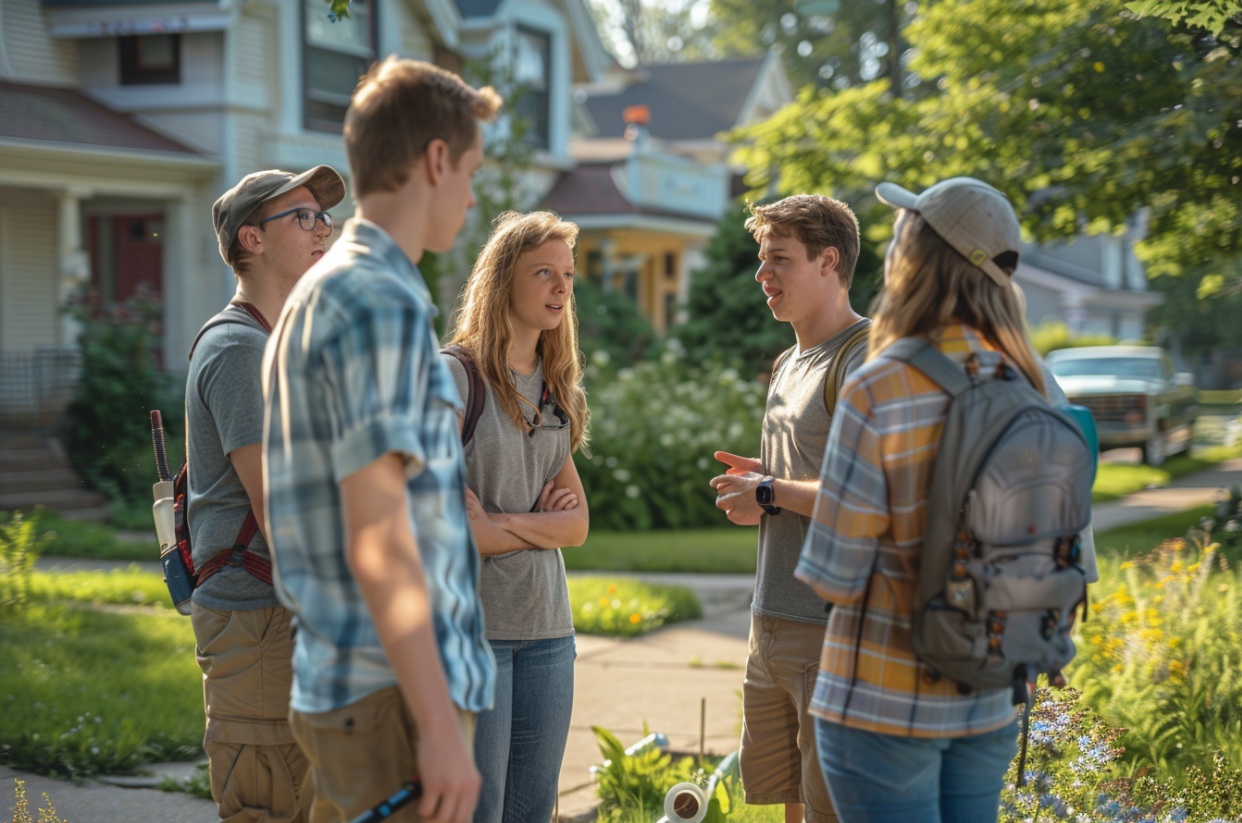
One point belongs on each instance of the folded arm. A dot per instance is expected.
(553, 529)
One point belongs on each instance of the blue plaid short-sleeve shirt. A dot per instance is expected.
(352, 373)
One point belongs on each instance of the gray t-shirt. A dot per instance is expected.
(795, 435)
(525, 596)
(223, 412)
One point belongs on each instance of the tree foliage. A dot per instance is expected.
(1084, 114)
(1212, 15)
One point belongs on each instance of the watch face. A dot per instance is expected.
(763, 494)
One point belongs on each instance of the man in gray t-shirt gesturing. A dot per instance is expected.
(271, 227)
(808, 245)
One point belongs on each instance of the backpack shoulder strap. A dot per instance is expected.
(921, 354)
(222, 321)
(477, 390)
(836, 371)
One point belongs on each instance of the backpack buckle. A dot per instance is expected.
(1052, 619)
(996, 635)
(1067, 551)
(235, 556)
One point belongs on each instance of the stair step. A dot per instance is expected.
(97, 514)
(60, 501)
(42, 480)
(10, 441)
(20, 460)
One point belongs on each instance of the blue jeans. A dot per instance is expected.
(519, 744)
(885, 778)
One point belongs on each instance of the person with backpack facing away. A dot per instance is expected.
(271, 228)
(914, 705)
(514, 357)
(364, 475)
(808, 245)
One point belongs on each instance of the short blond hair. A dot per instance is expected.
(398, 108)
(815, 221)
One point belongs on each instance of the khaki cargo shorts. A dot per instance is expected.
(777, 760)
(257, 770)
(362, 753)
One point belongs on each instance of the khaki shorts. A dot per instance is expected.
(257, 770)
(362, 753)
(778, 761)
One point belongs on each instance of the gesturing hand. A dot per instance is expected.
(739, 465)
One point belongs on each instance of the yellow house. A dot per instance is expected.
(648, 197)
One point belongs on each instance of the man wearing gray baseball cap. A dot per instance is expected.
(271, 229)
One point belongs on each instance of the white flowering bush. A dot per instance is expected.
(654, 429)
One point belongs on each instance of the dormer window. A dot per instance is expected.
(532, 72)
(335, 56)
(148, 59)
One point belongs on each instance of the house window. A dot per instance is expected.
(150, 58)
(670, 265)
(532, 72)
(335, 56)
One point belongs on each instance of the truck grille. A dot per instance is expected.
(1115, 408)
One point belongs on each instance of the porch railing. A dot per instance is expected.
(36, 387)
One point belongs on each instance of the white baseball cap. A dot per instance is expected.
(974, 218)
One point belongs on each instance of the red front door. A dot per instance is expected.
(126, 251)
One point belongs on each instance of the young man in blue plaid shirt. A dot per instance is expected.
(365, 480)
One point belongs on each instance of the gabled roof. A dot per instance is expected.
(56, 115)
(591, 189)
(688, 101)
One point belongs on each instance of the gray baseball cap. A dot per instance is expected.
(236, 204)
(969, 215)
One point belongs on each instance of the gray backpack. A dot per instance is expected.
(1011, 489)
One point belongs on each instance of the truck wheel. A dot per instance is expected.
(1155, 450)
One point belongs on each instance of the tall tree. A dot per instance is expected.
(824, 43)
(653, 31)
(1085, 115)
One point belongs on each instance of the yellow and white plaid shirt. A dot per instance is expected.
(864, 548)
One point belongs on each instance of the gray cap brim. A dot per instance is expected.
(324, 183)
(894, 195)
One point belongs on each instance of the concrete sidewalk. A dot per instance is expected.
(1184, 493)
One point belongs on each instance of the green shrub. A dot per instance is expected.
(654, 429)
(1159, 657)
(197, 784)
(20, 544)
(1051, 335)
(108, 423)
(611, 327)
(622, 607)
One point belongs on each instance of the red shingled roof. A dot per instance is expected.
(68, 116)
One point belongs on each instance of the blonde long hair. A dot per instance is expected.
(483, 325)
(929, 285)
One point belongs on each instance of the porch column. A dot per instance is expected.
(73, 264)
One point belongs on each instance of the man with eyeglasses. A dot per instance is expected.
(271, 228)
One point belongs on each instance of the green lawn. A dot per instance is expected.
(715, 551)
(1128, 541)
(75, 538)
(87, 692)
(1116, 480)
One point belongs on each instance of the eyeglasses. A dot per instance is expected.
(562, 419)
(306, 218)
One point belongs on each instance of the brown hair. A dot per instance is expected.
(482, 322)
(929, 284)
(399, 107)
(239, 257)
(817, 222)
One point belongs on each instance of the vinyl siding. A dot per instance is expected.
(28, 298)
(33, 55)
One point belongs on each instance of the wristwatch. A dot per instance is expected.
(765, 495)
